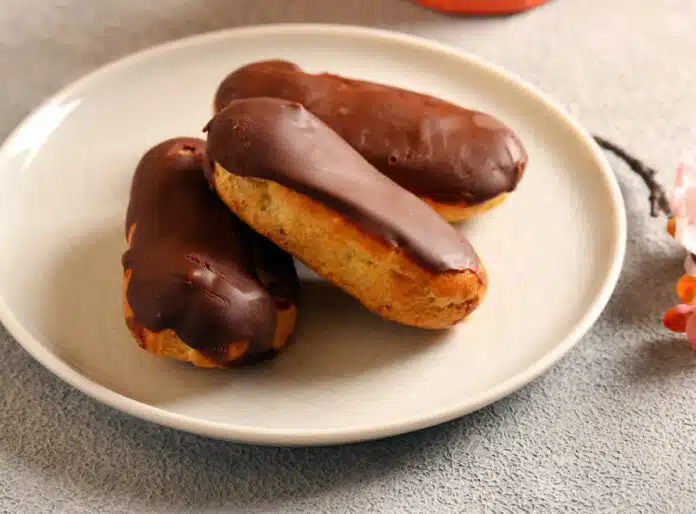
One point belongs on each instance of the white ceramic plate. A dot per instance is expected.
(553, 250)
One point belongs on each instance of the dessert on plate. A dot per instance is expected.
(355, 179)
(198, 284)
(298, 183)
(460, 161)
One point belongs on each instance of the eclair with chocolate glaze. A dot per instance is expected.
(460, 161)
(297, 182)
(198, 284)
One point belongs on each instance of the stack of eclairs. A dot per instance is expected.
(357, 180)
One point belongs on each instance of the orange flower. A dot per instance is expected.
(679, 318)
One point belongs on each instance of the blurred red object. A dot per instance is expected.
(480, 6)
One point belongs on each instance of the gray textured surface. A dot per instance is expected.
(611, 428)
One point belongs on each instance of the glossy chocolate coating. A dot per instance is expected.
(281, 141)
(194, 264)
(431, 147)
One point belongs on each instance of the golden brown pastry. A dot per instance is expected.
(199, 285)
(460, 161)
(297, 182)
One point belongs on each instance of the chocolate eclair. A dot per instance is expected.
(297, 182)
(460, 161)
(198, 284)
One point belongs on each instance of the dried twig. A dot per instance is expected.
(659, 202)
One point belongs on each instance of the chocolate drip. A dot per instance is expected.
(281, 141)
(431, 147)
(192, 262)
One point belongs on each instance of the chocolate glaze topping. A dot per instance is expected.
(431, 147)
(281, 141)
(194, 264)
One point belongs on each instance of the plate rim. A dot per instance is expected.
(345, 435)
